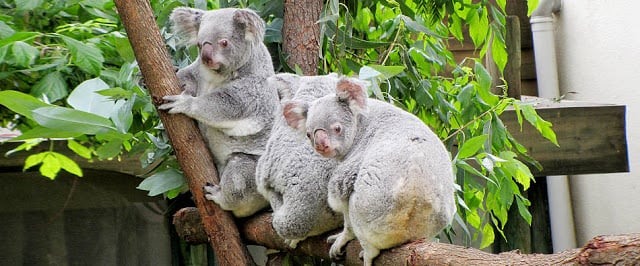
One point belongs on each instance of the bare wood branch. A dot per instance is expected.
(191, 151)
(301, 34)
(614, 249)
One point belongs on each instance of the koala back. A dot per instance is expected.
(290, 174)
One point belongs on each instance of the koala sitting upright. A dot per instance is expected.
(394, 181)
(225, 91)
(290, 174)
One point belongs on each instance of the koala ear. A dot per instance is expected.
(352, 91)
(295, 112)
(186, 23)
(253, 24)
(285, 83)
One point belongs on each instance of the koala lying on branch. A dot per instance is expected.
(394, 180)
(290, 174)
(225, 91)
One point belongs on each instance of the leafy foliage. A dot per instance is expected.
(69, 74)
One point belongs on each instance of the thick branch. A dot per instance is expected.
(615, 249)
(301, 33)
(191, 151)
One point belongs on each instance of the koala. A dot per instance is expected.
(290, 174)
(394, 181)
(225, 90)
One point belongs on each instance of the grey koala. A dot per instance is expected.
(290, 174)
(394, 181)
(225, 90)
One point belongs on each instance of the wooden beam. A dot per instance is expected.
(592, 137)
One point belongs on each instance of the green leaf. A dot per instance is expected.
(531, 6)
(543, 126)
(79, 149)
(110, 149)
(471, 146)
(24, 54)
(85, 97)
(86, 56)
(122, 117)
(488, 236)
(387, 71)
(18, 36)
(28, 5)
(339, 37)
(21, 103)
(523, 203)
(499, 53)
(53, 86)
(50, 166)
(67, 164)
(5, 30)
(63, 119)
(46, 133)
(417, 27)
(162, 182)
(33, 160)
(479, 28)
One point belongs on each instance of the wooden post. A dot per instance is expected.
(512, 69)
(191, 151)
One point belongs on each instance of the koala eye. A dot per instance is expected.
(337, 128)
(309, 135)
(223, 42)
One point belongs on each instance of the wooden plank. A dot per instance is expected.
(592, 137)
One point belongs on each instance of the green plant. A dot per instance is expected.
(69, 75)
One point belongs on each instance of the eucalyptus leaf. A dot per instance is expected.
(162, 182)
(63, 119)
(85, 97)
(52, 86)
(20, 103)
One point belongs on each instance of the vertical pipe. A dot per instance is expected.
(560, 209)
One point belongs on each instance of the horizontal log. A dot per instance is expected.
(592, 137)
(616, 249)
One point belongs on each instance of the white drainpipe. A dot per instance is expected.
(560, 209)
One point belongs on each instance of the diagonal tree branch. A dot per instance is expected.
(191, 151)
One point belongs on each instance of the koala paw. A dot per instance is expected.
(339, 241)
(177, 103)
(213, 192)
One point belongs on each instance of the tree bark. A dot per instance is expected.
(614, 249)
(301, 33)
(191, 151)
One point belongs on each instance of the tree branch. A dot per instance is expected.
(191, 151)
(614, 249)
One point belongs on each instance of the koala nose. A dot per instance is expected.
(206, 53)
(321, 141)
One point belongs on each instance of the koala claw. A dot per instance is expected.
(176, 103)
(212, 192)
(339, 241)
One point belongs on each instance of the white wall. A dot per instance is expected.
(598, 44)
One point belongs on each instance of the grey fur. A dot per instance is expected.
(290, 174)
(225, 90)
(394, 181)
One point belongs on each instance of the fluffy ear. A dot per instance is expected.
(295, 112)
(352, 91)
(285, 83)
(186, 23)
(253, 24)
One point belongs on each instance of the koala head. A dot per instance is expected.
(331, 122)
(292, 86)
(225, 37)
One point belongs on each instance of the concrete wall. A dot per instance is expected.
(598, 44)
